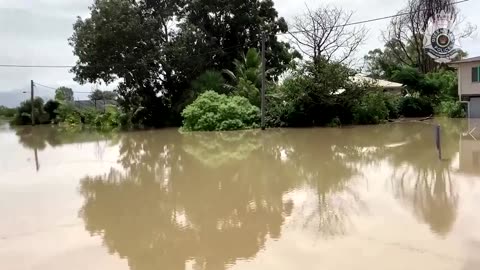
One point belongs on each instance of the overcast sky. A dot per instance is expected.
(35, 32)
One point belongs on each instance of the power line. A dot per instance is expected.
(53, 88)
(366, 21)
(48, 87)
(236, 46)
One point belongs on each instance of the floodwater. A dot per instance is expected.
(374, 197)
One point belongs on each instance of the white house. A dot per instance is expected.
(469, 84)
(387, 86)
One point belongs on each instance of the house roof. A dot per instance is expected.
(381, 83)
(467, 60)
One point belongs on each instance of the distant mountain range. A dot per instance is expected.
(12, 99)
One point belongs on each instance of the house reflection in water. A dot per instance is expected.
(470, 149)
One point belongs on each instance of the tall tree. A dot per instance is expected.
(323, 33)
(64, 94)
(96, 96)
(232, 27)
(156, 48)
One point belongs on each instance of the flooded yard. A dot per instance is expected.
(373, 197)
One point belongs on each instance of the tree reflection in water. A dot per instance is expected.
(214, 198)
(168, 207)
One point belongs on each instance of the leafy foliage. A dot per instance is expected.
(372, 109)
(158, 48)
(64, 94)
(452, 109)
(210, 80)
(215, 112)
(23, 115)
(415, 107)
(51, 108)
(317, 94)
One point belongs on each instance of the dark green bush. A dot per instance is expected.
(415, 107)
(24, 111)
(372, 109)
(452, 109)
(51, 108)
(393, 103)
(214, 112)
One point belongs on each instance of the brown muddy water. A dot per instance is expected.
(374, 197)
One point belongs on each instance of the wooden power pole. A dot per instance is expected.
(32, 85)
(263, 82)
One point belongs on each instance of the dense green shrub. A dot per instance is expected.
(69, 114)
(214, 112)
(393, 103)
(24, 111)
(317, 94)
(51, 108)
(415, 107)
(443, 83)
(108, 120)
(371, 109)
(452, 109)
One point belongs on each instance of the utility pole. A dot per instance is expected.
(32, 85)
(263, 82)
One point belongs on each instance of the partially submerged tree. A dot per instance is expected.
(324, 33)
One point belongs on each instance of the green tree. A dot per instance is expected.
(246, 78)
(210, 80)
(232, 27)
(157, 48)
(319, 94)
(214, 112)
(24, 113)
(51, 108)
(64, 94)
(381, 64)
(96, 96)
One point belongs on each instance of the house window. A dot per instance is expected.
(476, 74)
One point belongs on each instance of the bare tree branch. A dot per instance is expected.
(323, 34)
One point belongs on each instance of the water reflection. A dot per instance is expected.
(210, 200)
(168, 207)
(422, 181)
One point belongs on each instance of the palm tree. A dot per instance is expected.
(248, 68)
(246, 79)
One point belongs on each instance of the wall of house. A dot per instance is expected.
(465, 84)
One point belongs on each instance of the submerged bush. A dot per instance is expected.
(452, 109)
(372, 109)
(215, 112)
(24, 112)
(415, 107)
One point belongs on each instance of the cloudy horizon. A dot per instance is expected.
(37, 32)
